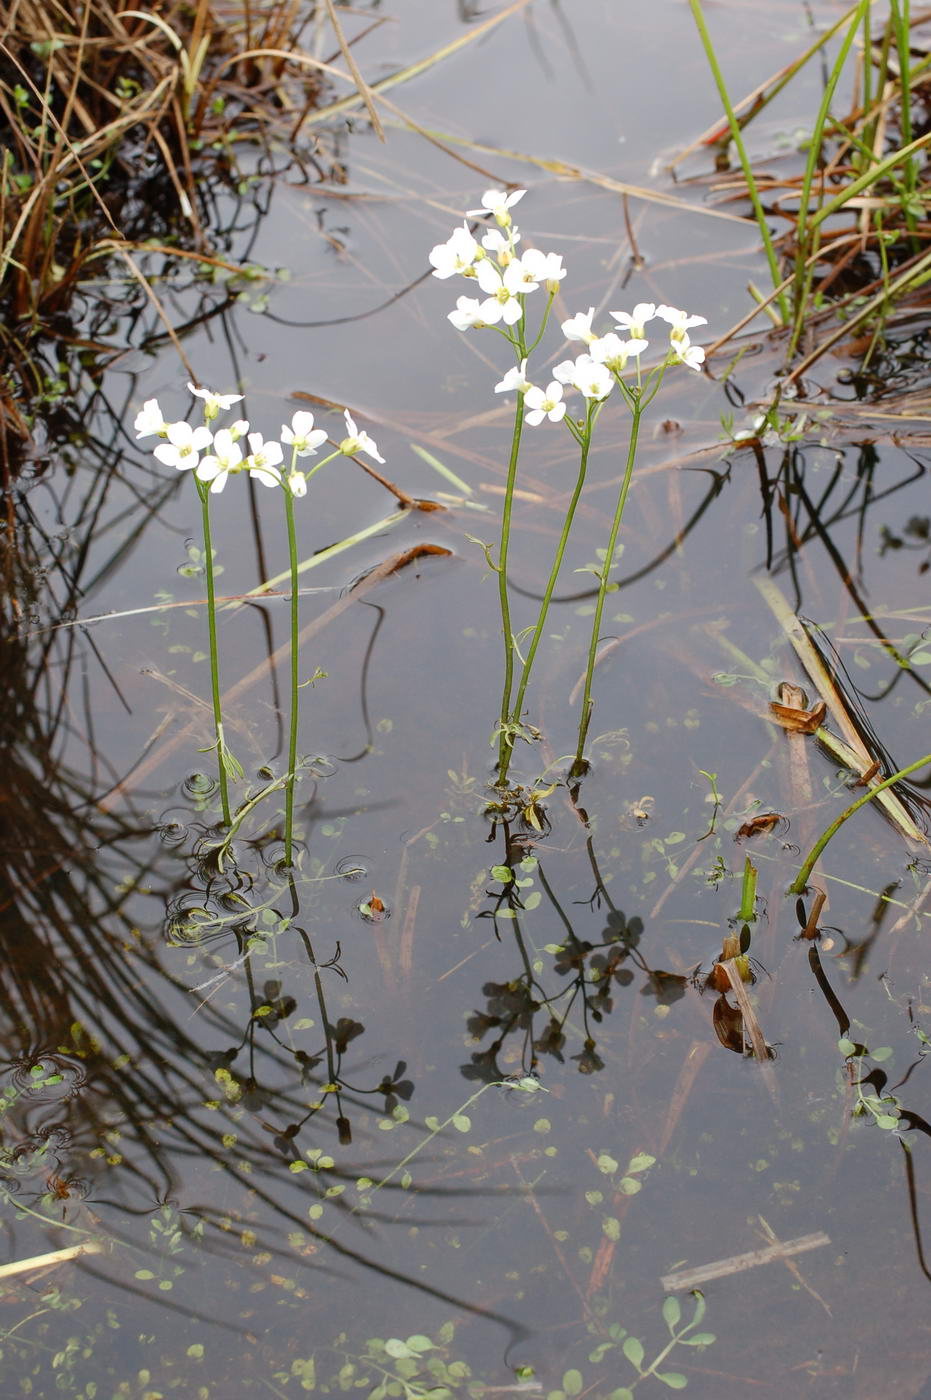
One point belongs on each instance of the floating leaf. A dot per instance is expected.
(641, 1162)
(396, 1348)
(607, 1164)
(672, 1312)
(572, 1382)
(674, 1379)
(419, 1343)
(611, 1227)
(629, 1185)
(462, 1122)
(846, 1047)
(633, 1350)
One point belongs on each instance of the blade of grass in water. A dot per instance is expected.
(734, 124)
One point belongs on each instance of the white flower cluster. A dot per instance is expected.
(186, 448)
(506, 277)
(495, 265)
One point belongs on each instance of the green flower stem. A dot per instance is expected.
(585, 441)
(579, 765)
(204, 492)
(801, 880)
(505, 739)
(295, 601)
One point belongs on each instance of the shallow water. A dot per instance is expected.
(276, 1202)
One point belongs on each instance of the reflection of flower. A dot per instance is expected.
(149, 420)
(589, 1060)
(184, 445)
(358, 441)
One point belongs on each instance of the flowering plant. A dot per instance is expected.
(508, 278)
(213, 457)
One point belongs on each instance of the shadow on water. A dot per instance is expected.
(479, 1096)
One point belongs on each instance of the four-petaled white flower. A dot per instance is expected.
(691, 355)
(468, 313)
(522, 274)
(610, 350)
(634, 321)
(679, 320)
(501, 244)
(564, 372)
(213, 403)
(238, 429)
(548, 405)
(302, 437)
(515, 378)
(262, 461)
(593, 380)
(503, 288)
(226, 457)
(580, 327)
(149, 420)
(457, 254)
(297, 484)
(544, 267)
(184, 445)
(497, 202)
(357, 441)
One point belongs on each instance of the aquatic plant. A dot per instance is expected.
(508, 278)
(214, 456)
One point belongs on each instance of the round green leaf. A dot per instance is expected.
(633, 1350)
(572, 1382)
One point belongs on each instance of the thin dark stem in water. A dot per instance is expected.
(505, 738)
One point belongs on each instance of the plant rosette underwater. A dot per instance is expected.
(213, 455)
(507, 278)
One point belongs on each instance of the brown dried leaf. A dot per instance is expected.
(796, 720)
(757, 825)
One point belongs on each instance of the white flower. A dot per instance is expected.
(149, 420)
(501, 244)
(544, 267)
(515, 378)
(593, 380)
(522, 274)
(548, 405)
(468, 313)
(457, 254)
(263, 459)
(634, 321)
(184, 445)
(691, 355)
(502, 288)
(580, 327)
(610, 350)
(297, 484)
(214, 402)
(497, 202)
(226, 457)
(679, 320)
(565, 371)
(357, 441)
(238, 429)
(302, 437)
